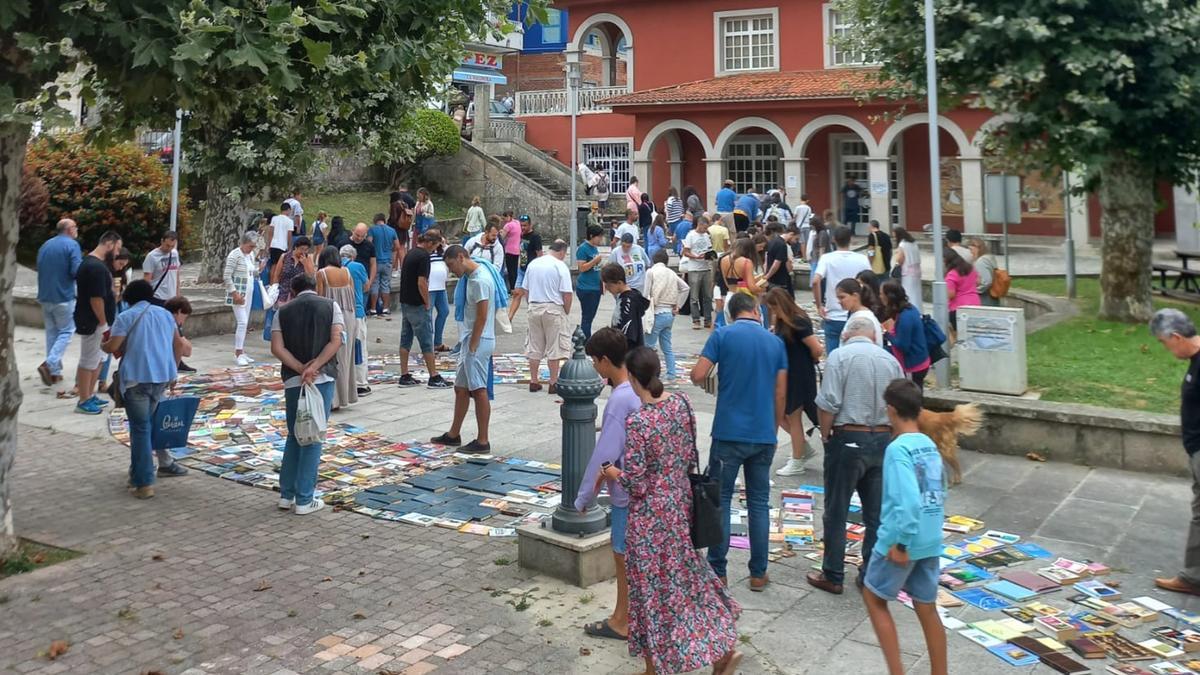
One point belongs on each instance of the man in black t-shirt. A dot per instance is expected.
(531, 246)
(416, 321)
(95, 310)
(631, 304)
(779, 272)
(364, 253)
(1177, 333)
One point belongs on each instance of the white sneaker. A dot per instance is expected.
(244, 360)
(794, 467)
(312, 507)
(286, 504)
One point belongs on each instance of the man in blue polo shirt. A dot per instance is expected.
(725, 200)
(387, 249)
(57, 262)
(745, 213)
(751, 392)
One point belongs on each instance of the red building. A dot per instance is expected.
(691, 93)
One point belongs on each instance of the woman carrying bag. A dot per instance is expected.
(681, 617)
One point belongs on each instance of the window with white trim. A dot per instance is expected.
(838, 28)
(754, 165)
(748, 43)
(614, 159)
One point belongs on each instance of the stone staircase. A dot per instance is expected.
(533, 175)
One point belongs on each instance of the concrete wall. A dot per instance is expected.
(339, 170)
(470, 172)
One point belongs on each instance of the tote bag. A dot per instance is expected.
(172, 421)
(310, 416)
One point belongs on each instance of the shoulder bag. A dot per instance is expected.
(114, 388)
(707, 528)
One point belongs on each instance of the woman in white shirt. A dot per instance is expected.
(858, 299)
(438, 272)
(241, 279)
(476, 219)
(908, 259)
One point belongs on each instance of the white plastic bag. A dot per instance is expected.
(309, 427)
(502, 321)
(270, 294)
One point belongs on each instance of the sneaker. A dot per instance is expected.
(441, 348)
(44, 373)
(447, 439)
(185, 368)
(386, 312)
(439, 382)
(286, 504)
(244, 360)
(100, 403)
(311, 507)
(552, 390)
(144, 492)
(364, 391)
(476, 448)
(370, 313)
(88, 407)
(407, 380)
(174, 469)
(794, 467)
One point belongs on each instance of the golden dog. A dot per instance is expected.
(945, 428)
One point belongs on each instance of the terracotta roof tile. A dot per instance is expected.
(768, 86)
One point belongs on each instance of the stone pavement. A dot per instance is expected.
(209, 577)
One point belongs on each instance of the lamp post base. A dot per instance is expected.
(569, 521)
(577, 560)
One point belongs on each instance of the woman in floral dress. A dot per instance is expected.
(681, 617)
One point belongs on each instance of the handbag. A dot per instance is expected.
(173, 421)
(114, 390)
(895, 273)
(935, 337)
(707, 526)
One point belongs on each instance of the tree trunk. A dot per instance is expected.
(224, 221)
(12, 157)
(401, 174)
(1127, 228)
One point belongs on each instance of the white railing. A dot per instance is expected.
(554, 101)
(508, 130)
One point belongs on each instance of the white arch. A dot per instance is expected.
(987, 127)
(810, 130)
(965, 148)
(643, 152)
(576, 46)
(739, 125)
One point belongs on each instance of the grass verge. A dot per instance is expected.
(1104, 363)
(31, 556)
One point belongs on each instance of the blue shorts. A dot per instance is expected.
(472, 373)
(416, 323)
(619, 517)
(919, 578)
(383, 280)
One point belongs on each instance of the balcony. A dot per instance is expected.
(554, 101)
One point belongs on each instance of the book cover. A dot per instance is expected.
(1097, 589)
(1010, 590)
(1161, 648)
(1034, 582)
(996, 629)
(980, 638)
(982, 599)
(1169, 668)
(1061, 663)
(1086, 648)
(1014, 655)
(1183, 638)
(1056, 628)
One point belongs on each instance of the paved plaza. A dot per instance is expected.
(209, 577)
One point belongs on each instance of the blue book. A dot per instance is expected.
(1010, 590)
(980, 598)
(1032, 549)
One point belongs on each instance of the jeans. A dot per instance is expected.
(725, 459)
(701, 283)
(59, 318)
(298, 473)
(141, 400)
(520, 276)
(661, 334)
(267, 321)
(441, 312)
(853, 462)
(833, 334)
(512, 262)
(589, 302)
(1191, 554)
(416, 324)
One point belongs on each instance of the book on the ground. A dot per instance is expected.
(1034, 582)
(980, 638)
(1097, 589)
(1183, 638)
(1120, 647)
(982, 599)
(1056, 628)
(1086, 648)
(970, 523)
(1010, 590)
(1127, 669)
(1034, 645)
(1061, 663)
(1169, 668)
(1151, 603)
(1014, 655)
(1022, 614)
(1184, 615)
(1058, 575)
(1005, 537)
(996, 629)
(1166, 651)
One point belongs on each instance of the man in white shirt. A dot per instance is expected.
(831, 269)
(547, 284)
(695, 262)
(161, 269)
(279, 232)
(954, 239)
(630, 225)
(487, 245)
(297, 212)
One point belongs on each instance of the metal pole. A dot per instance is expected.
(1004, 223)
(1070, 242)
(941, 312)
(175, 154)
(573, 104)
(578, 385)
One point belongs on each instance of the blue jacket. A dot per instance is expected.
(725, 200)
(908, 336)
(656, 238)
(57, 262)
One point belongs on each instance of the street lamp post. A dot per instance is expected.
(573, 80)
(175, 156)
(941, 312)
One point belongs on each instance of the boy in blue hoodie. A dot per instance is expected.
(909, 540)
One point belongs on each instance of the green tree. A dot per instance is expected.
(260, 79)
(1111, 89)
(407, 141)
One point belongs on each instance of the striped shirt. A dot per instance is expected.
(674, 209)
(856, 375)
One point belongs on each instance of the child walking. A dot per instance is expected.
(909, 542)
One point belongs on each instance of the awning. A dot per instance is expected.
(478, 76)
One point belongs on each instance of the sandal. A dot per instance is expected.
(728, 663)
(601, 629)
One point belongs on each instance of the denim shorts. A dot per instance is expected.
(472, 373)
(620, 518)
(919, 578)
(415, 322)
(383, 280)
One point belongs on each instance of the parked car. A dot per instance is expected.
(497, 111)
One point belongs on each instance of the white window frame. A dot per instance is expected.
(754, 140)
(623, 140)
(719, 19)
(827, 14)
(897, 206)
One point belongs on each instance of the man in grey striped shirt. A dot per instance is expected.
(856, 431)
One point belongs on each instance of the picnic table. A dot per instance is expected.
(1184, 282)
(1185, 256)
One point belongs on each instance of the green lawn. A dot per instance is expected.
(358, 207)
(1085, 360)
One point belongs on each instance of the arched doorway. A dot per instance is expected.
(604, 44)
(753, 150)
(673, 154)
(960, 180)
(839, 148)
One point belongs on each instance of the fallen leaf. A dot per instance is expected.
(362, 573)
(39, 558)
(57, 649)
(358, 616)
(262, 586)
(293, 613)
(365, 536)
(1034, 457)
(584, 651)
(157, 557)
(327, 579)
(178, 634)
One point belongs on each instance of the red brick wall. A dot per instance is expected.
(530, 72)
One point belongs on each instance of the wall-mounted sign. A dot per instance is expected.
(483, 60)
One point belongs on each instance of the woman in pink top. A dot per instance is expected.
(633, 195)
(511, 236)
(961, 280)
